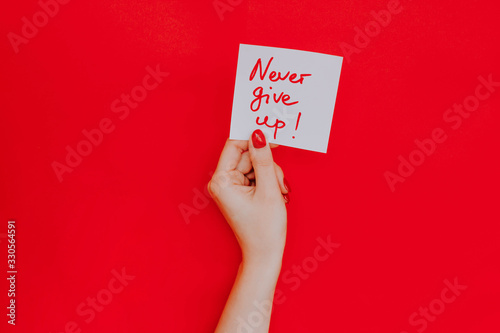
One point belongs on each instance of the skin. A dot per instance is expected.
(248, 188)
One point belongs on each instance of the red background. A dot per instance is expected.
(120, 206)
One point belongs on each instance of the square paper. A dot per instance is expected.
(288, 94)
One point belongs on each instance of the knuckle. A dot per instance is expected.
(209, 188)
(218, 183)
(213, 188)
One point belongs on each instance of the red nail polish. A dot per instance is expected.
(287, 185)
(287, 198)
(258, 139)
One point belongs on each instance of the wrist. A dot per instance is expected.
(263, 262)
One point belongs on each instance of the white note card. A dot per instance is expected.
(288, 94)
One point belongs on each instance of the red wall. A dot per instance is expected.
(119, 210)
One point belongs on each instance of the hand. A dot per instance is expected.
(251, 193)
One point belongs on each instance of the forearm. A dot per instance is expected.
(250, 301)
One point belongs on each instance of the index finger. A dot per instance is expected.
(231, 154)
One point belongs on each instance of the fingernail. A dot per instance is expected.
(258, 139)
(287, 198)
(287, 185)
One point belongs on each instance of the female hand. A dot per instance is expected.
(251, 193)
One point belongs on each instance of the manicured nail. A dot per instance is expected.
(287, 185)
(258, 139)
(287, 198)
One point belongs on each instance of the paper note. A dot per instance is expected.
(288, 94)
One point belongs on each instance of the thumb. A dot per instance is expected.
(263, 164)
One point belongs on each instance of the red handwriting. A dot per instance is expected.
(277, 124)
(275, 76)
(259, 95)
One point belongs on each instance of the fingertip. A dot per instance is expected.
(287, 185)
